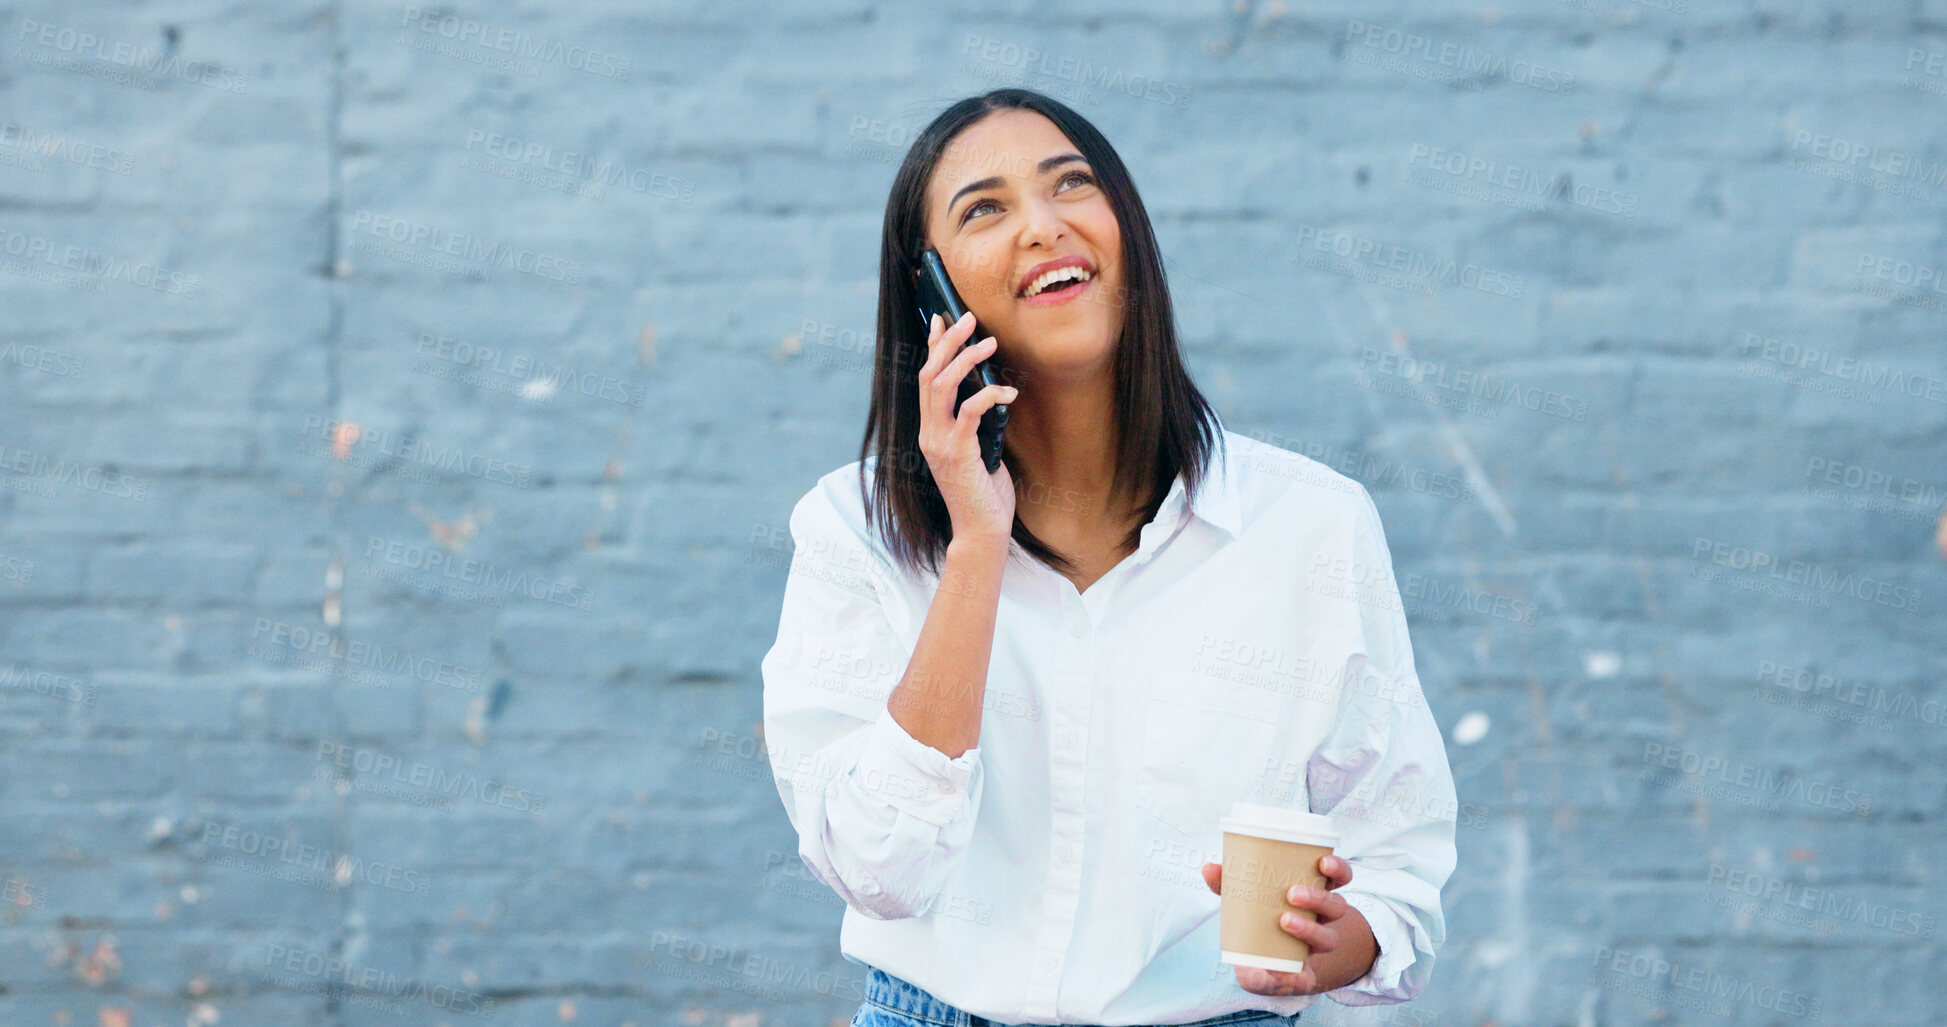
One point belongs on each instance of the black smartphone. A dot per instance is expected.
(936, 296)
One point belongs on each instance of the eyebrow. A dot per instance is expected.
(1047, 164)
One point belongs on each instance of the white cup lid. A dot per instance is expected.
(1290, 825)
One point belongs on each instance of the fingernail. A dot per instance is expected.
(1289, 920)
(1294, 894)
(965, 316)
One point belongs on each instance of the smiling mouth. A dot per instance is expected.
(1071, 272)
(1057, 292)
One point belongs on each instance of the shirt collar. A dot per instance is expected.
(1215, 502)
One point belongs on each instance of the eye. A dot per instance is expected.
(1085, 177)
(976, 205)
(1082, 177)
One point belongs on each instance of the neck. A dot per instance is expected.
(1062, 440)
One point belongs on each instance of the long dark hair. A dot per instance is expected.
(1164, 426)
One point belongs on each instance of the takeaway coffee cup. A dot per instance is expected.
(1267, 849)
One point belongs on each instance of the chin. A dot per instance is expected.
(1052, 357)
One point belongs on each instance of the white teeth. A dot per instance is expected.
(1060, 274)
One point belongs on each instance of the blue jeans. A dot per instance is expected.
(892, 1002)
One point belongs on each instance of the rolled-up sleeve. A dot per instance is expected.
(1382, 776)
(881, 817)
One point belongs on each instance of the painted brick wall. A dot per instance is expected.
(402, 407)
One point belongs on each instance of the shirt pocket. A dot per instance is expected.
(1207, 743)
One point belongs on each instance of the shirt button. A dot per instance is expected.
(1067, 854)
(1047, 962)
(1078, 629)
(947, 787)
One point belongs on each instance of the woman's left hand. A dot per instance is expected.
(1323, 936)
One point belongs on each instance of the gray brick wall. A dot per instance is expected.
(403, 405)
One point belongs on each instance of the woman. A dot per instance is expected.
(1006, 710)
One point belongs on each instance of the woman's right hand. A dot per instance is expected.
(980, 504)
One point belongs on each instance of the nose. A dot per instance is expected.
(1041, 224)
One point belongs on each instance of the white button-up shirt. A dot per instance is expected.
(1253, 648)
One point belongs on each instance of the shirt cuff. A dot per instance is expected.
(914, 777)
(1396, 955)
